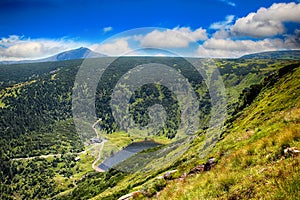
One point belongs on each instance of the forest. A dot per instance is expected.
(36, 119)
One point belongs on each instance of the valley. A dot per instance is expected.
(149, 100)
(44, 157)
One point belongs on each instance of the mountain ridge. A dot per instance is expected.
(79, 53)
(83, 52)
(282, 54)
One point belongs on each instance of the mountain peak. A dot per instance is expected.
(81, 52)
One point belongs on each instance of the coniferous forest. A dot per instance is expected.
(42, 155)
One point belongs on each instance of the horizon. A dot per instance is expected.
(108, 56)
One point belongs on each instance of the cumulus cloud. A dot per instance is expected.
(19, 48)
(178, 37)
(117, 47)
(107, 29)
(267, 21)
(265, 24)
(293, 41)
(223, 24)
(221, 34)
(236, 48)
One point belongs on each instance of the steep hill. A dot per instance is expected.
(258, 155)
(43, 157)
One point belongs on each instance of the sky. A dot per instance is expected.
(32, 29)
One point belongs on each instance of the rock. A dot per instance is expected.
(167, 174)
(197, 169)
(291, 151)
(209, 164)
(204, 167)
(129, 196)
(160, 177)
(184, 175)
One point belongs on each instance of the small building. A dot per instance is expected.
(95, 140)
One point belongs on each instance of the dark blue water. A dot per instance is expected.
(125, 153)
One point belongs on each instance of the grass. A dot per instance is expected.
(252, 164)
(250, 156)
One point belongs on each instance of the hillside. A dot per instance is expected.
(258, 155)
(42, 155)
(288, 55)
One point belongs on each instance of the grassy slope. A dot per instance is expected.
(148, 181)
(191, 157)
(251, 163)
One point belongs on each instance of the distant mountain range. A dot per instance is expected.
(79, 53)
(288, 54)
(84, 52)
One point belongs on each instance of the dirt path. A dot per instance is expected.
(94, 127)
(94, 165)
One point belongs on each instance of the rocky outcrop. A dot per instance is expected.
(167, 175)
(204, 167)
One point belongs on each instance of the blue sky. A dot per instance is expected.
(222, 28)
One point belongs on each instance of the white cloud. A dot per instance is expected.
(221, 34)
(107, 29)
(172, 38)
(264, 24)
(19, 48)
(119, 46)
(267, 21)
(293, 41)
(229, 2)
(223, 24)
(10, 40)
(230, 48)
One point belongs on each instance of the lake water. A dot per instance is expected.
(125, 153)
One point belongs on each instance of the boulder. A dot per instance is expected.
(291, 151)
(197, 169)
(167, 175)
(204, 167)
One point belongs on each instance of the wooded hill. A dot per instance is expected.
(36, 119)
